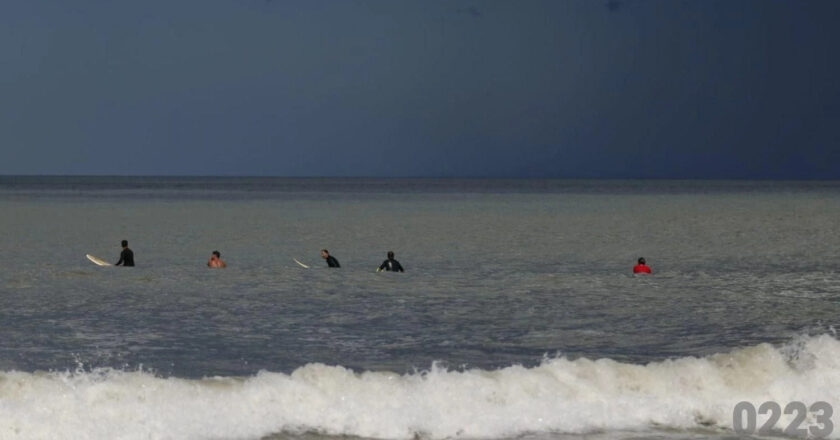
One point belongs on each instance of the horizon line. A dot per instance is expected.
(466, 177)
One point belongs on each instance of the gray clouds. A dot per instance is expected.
(537, 88)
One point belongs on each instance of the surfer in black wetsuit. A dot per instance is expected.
(331, 261)
(390, 265)
(126, 256)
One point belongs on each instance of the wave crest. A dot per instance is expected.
(559, 395)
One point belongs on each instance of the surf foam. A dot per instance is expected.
(560, 395)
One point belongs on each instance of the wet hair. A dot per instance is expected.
(324, 250)
(217, 254)
(641, 260)
(125, 243)
(391, 254)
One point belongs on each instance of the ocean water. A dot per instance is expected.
(517, 316)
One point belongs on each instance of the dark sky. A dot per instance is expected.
(569, 89)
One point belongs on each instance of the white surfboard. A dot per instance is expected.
(300, 264)
(97, 261)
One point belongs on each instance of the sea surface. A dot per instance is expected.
(517, 317)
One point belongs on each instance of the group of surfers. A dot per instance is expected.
(389, 265)
(216, 262)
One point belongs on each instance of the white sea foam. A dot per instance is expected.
(560, 395)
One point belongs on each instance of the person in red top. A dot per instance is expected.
(642, 267)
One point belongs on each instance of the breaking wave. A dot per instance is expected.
(558, 396)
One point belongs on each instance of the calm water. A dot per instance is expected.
(512, 290)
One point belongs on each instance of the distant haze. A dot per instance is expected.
(566, 89)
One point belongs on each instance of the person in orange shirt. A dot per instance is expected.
(642, 267)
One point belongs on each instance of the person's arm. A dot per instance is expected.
(335, 261)
(223, 264)
(398, 267)
(382, 266)
(122, 258)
